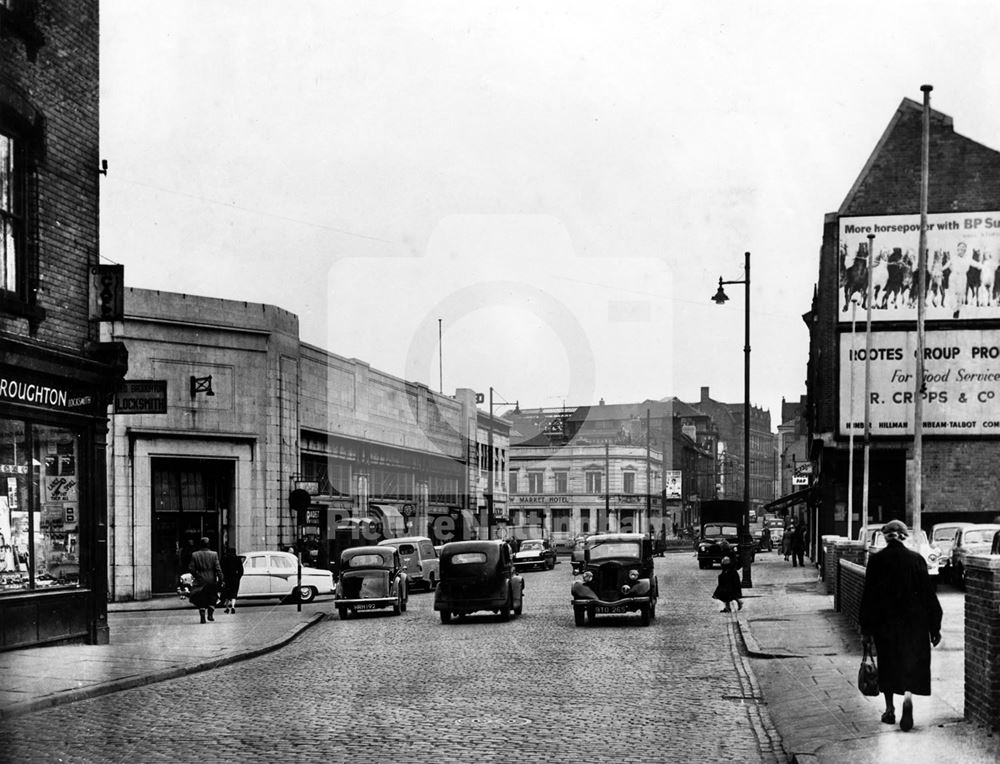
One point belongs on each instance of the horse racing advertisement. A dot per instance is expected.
(960, 281)
(961, 394)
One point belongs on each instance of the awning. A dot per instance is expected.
(393, 523)
(790, 500)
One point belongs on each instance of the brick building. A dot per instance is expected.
(961, 416)
(55, 375)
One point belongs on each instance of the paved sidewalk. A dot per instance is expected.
(805, 656)
(150, 642)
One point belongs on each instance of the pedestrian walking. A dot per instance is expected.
(786, 540)
(901, 614)
(207, 574)
(799, 545)
(232, 572)
(729, 587)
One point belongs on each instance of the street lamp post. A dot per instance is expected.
(746, 541)
(490, 462)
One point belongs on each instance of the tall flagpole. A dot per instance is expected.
(918, 397)
(868, 387)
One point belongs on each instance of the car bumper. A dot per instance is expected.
(534, 562)
(470, 606)
(583, 594)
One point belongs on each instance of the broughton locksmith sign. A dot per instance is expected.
(141, 396)
(961, 394)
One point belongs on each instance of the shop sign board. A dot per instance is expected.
(961, 248)
(141, 396)
(672, 481)
(961, 393)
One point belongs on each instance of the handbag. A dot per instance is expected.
(868, 674)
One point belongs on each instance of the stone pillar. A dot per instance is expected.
(982, 640)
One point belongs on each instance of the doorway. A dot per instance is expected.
(191, 499)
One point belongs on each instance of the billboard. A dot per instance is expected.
(672, 483)
(963, 252)
(961, 378)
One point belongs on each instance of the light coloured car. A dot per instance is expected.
(535, 553)
(420, 560)
(943, 537)
(916, 540)
(975, 539)
(275, 575)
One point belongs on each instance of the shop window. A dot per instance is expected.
(11, 217)
(39, 507)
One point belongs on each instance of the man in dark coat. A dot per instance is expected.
(900, 612)
(207, 574)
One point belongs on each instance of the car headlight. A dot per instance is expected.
(633, 575)
(702, 547)
(588, 576)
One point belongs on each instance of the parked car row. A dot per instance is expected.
(969, 539)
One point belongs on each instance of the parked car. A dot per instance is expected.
(371, 577)
(562, 542)
(916, 540)
(535, 553)
(617, 578)
(576, 557)
(975, 539)
(419, 559)
(275, 574)
(943, 537)
(475, 576)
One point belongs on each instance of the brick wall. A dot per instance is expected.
(954, 476)
(60, 84)
(850, 585)
(982, 640)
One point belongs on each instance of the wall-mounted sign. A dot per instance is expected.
(961, 383)
(962, 252)
(672, 483)
(141, 396)
(107, 292)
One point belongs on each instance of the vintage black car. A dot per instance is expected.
(475, 576)
(371, 577)
(708, 546)
(617, 577)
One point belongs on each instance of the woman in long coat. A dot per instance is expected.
(729, 587)
(901, 613)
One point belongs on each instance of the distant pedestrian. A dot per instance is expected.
(232, 572)
(729, 587)
(786, 540)
(799, 545)
(901, 614)
(207, 574)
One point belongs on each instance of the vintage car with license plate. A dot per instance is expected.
(371, 578)
(617, 577)
(478, 576)
(973, 539)
(276, 574)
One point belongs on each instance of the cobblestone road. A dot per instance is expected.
(380, 688)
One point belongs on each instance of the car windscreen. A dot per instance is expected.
(366, 561)
(467, 558)
(605, 550)
(720, 530)
(527, 546)
(944, 534)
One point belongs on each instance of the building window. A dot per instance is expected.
(536, 482)
(11, 217)
(512, 481)
(562, 482)
(628, 482)
(594, 482)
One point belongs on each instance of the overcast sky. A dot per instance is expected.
(561, 184)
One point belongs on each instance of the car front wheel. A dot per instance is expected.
(445, 616)
(342, 612)
(644, 614)
(578, 615)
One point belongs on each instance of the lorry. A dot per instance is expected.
(720, 521)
